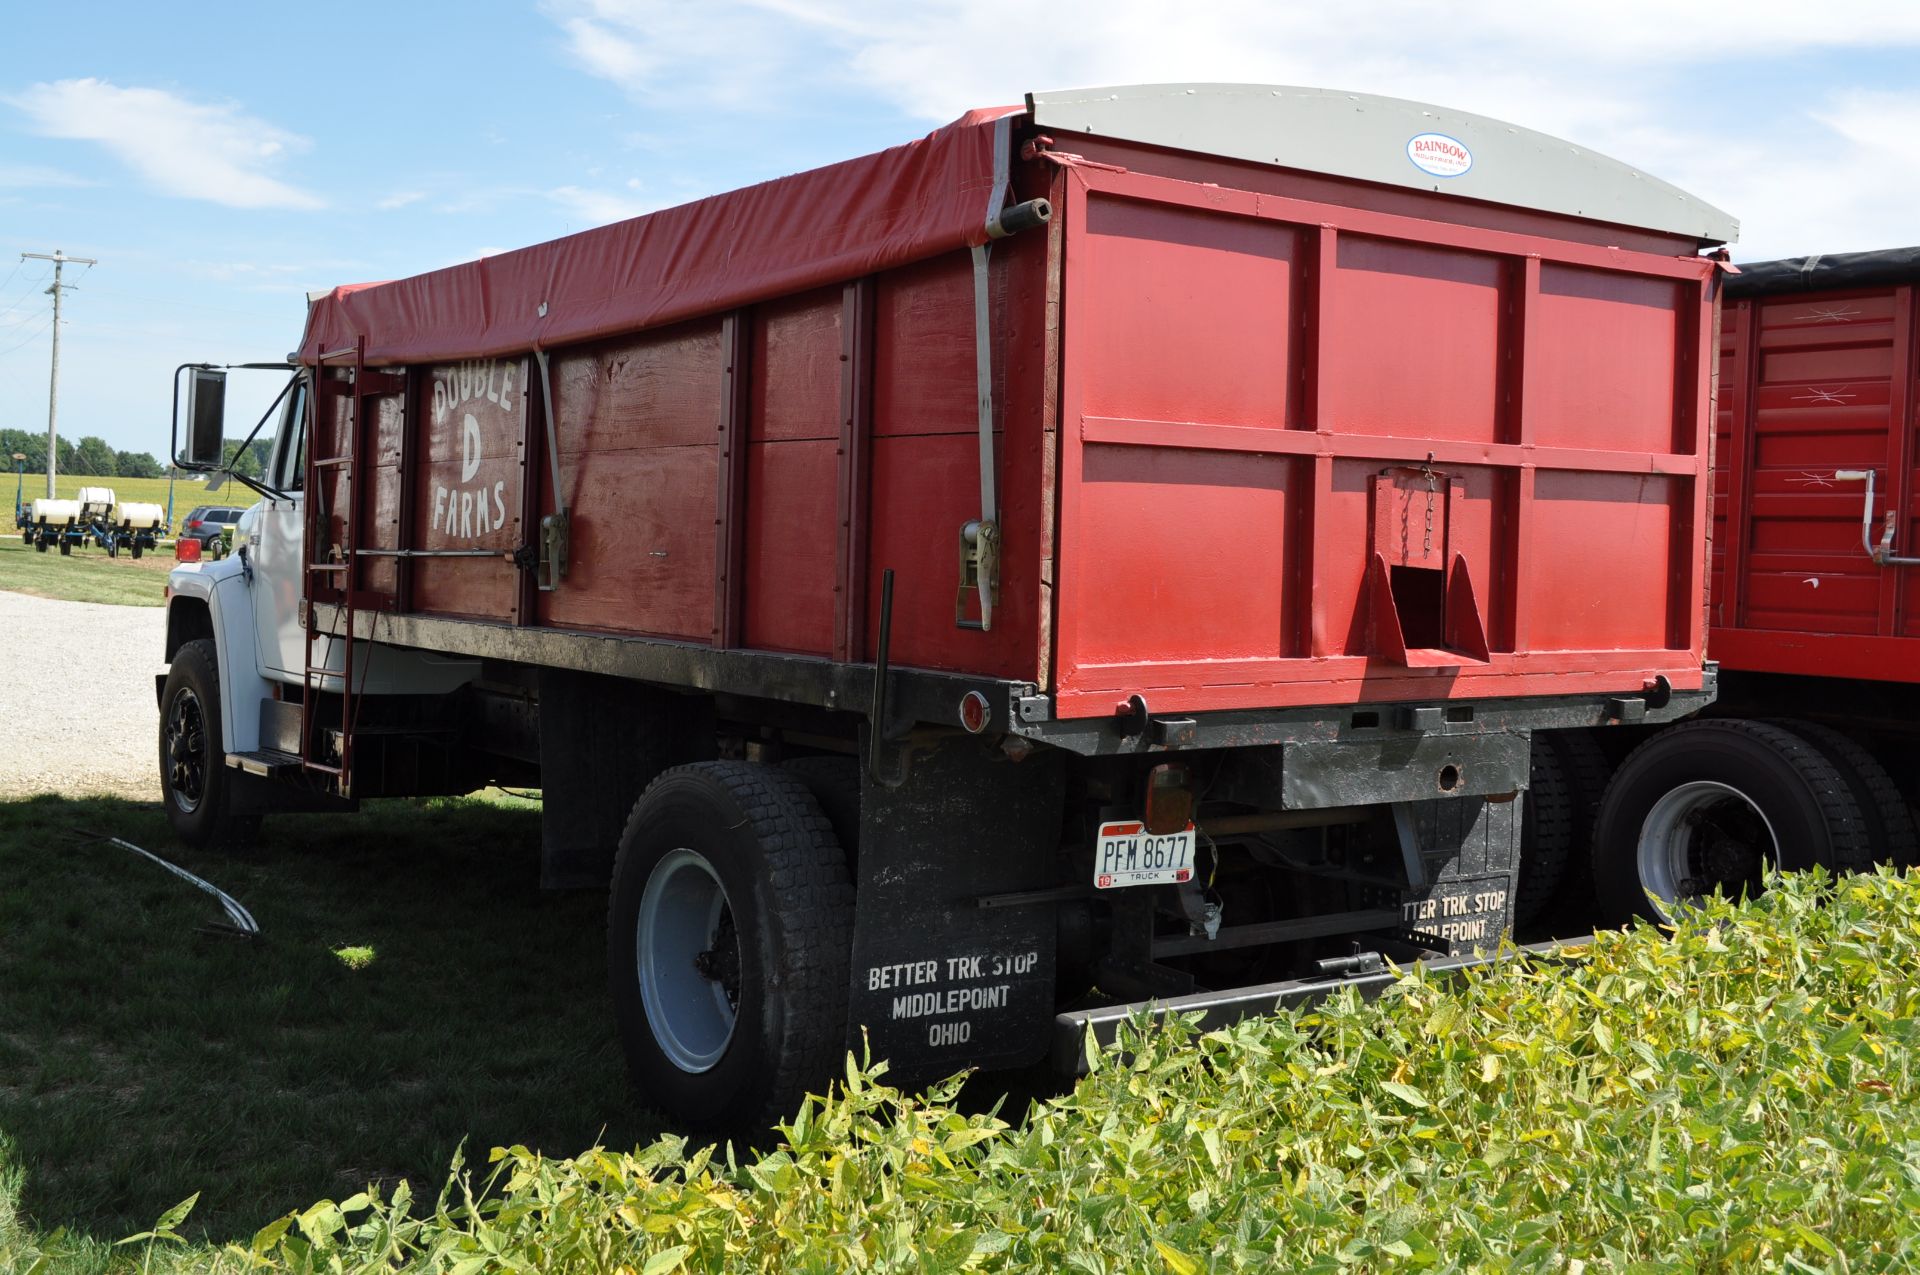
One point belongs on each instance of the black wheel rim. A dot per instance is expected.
(186, 750)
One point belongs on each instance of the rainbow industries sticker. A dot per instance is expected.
(1438, 154)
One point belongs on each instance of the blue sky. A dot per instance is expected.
(221, 165)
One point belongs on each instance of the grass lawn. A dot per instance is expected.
(413, 989)
(87, 575)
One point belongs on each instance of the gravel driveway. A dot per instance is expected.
(76, 697)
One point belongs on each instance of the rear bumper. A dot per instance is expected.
(1218, 1009)
(1372, 721)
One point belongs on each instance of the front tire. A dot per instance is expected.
(1709, 806)
(204, 800)
(729, 938)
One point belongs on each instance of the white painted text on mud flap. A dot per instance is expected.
(947, 1002)
(1464, 918)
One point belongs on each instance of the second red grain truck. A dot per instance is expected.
(1810, 757)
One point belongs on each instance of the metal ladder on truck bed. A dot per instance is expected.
(328, 574)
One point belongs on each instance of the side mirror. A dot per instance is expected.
(206, 417)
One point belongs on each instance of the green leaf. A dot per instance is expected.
(174, 1216)
(953, 1254)
(269, 1235)
(667, 1259)
(1406, 1093)
(1177, 1262)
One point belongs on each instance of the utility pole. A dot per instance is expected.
(59, 259)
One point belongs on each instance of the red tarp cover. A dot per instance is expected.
(817, 227)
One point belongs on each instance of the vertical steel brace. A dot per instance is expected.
(980, 537)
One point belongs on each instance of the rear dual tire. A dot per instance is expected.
(1569, 776)
(1710, 806)
(729, 939)
(1891, 834)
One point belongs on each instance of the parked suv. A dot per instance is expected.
(208, 522)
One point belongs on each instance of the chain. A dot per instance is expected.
(1427, 471)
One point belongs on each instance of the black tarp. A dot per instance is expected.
(1824, 272)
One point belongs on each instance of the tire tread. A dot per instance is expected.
(228, 827)
(1546, 835)
(1848, 843)
(1889, 822)
(812, 897)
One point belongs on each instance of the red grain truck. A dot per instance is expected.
(1124, 542)
(1809, 757)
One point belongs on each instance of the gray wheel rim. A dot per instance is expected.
(1679, 835)
(688, 957)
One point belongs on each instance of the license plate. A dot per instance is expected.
(1127, 854)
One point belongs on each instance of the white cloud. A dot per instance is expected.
(194, 150)
(939, 57)
(400, 199)
(1843, 182)
(1803, 170)
(598, 207)
(28, 176)
(732, 54)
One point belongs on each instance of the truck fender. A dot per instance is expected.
(221, 588)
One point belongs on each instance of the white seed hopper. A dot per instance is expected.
(55, 513)
(135, 515)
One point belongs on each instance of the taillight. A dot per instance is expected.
(1169, 799)
(186, 549)
(975, 713)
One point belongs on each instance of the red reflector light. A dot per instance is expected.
(186, 549)
(1169, 799)
(974, 713)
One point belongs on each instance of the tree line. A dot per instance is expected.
(95, 458)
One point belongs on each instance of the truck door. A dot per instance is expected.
(275, 550)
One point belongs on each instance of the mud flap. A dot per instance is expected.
(939, 982)
(1468, 853)
(603, 739)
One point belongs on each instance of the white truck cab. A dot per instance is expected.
(241, 657)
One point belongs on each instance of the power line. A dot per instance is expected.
(37, 334)
(28, 294)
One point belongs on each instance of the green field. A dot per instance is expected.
(186, 492)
